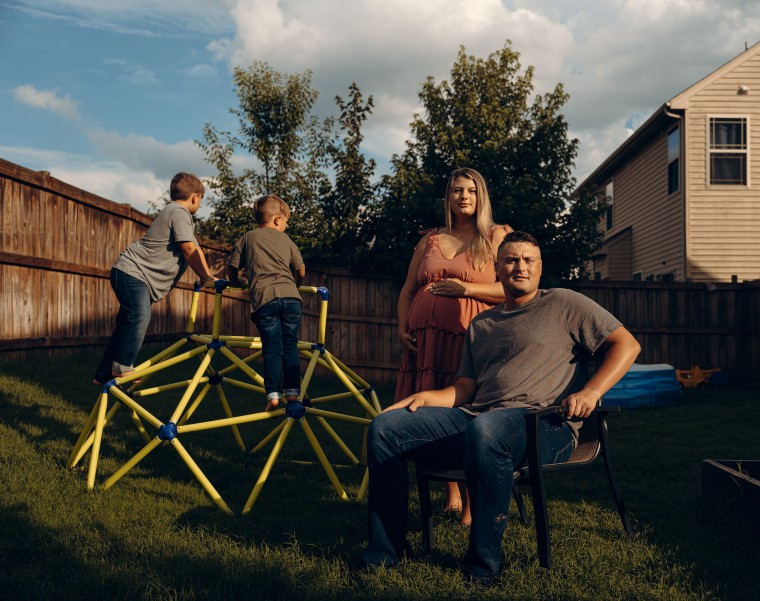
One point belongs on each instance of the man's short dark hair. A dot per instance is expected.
(520, 237)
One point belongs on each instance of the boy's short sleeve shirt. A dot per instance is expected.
(533, 355)
(269, 257)
(157, 258)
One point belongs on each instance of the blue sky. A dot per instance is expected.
(108, 95)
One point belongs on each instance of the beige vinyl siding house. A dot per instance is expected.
(685, 186)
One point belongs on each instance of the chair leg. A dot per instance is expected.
(616, 493)
(520, 503)
(537, 492)
(426, 510)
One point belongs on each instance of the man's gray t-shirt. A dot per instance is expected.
(269, 256)
(533, 355)
(156, 258)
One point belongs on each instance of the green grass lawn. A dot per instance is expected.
(157, 535)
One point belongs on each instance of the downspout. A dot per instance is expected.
(682, 182)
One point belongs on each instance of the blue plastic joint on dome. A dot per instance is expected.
(215, 380)
(197, 287)
(295, 410)
(220, 285)
(324, 293)
(107, 386)
(216, 344)
(168, 431)
(319, 347)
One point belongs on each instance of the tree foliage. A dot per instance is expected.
(293, 151)
(484, 118)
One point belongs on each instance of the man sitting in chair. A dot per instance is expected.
(525, 353)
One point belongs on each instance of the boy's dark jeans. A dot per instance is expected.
(278, 322)
(131, 324)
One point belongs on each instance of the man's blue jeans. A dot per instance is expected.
(489, 446)
(131, 324)
(278, 322)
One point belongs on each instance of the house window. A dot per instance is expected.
(674, 154)
(609, 193)
(728, 151)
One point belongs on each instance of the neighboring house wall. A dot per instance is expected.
(724, 221)
(701, 232)
(641, 202)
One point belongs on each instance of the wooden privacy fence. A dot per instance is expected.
(57, 244)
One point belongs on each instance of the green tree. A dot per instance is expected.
(484, 118)
(290, 148)
(346, 207)
(294, 152)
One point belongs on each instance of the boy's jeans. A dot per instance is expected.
(278, 322)
(131, 324)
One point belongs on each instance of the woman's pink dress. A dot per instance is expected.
(439, 322)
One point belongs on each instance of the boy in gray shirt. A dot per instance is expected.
(275, 269)
(147, 270)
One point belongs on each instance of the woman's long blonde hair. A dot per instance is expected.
(480, 251)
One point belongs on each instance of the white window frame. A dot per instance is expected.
(709, 150)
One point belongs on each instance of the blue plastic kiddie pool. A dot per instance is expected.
(645, 386)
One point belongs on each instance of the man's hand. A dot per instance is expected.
(207, 282)
(410, 403)
(581, 404)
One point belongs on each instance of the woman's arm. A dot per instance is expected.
(407, 294)
(492, 292)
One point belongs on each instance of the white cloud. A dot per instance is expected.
(133, 74)
(145, 153)
(168, 18)
(202, 71)
(48, 100)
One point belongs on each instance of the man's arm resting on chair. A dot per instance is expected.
(620, 351)
(461, 393)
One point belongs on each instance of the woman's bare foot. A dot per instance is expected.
(453, 497)
(466, 519)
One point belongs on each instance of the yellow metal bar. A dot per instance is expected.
(268, 437)
(75, 456)
(207, 486)
(193, 385)
(91, 438)
(193, 311)
(349, 373)
(288, 424)
(323, 459)
(163, 388)
(141, 411)
(228, 413)
(137, 458)
(139, 425)
(242, 365)
(309, 373)
(322, 322)
(230, 421)
(333, 397)
(348, 384)
(217, 315)
(244, 385)
(364, 485)
(375, 400)
(198, 400)
(158, 358)
(338, 440)
(99, 424)
(339, 416)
